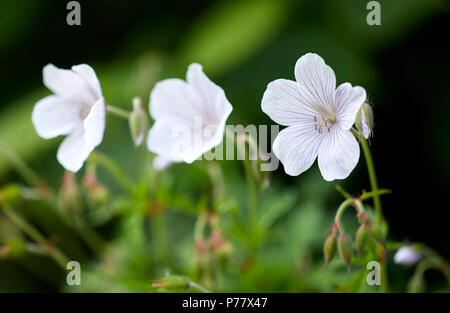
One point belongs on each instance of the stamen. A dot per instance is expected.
(327, 122)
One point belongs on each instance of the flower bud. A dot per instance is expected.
(97, 194)
(221, 247)
(380, 251)
(364, 120)
(377, 233)
(361, 238)
(329, 249)
(69, 195)
(172, 283)
(10, 195)
(344, 245)
(138, 122)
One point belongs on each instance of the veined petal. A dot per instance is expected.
(88, 74)
(53, 116)
(174, 97)
(317, 79)
(170, 137)
(338, 154)
(74, 150)
(214, 102)
(348, 101)
(68, 84)
(284, 103)
(297, 147)
(94, 123)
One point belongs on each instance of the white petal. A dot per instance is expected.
(297, 147)
(88, 74)
(317, 79)
(170, 138)
(53, 116)
(364, 125)
(284, 102)
(73, 151)
(348, 101)
(175, 98)
(160, 163)
(94, 123)
(68, 84)
(338, 154)
(215, 104)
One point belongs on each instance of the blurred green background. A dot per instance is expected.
(242, 45)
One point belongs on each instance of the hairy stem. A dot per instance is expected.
(60, 258)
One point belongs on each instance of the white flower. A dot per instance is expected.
(189, 116)
(406, 256)
(319, 117)
(76, 109)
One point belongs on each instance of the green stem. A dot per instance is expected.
(199, 287)
(115, 170)
(60, 258)
(372, 175)
(118, 111)
(21, 166)
(252, 191)
(339, 213)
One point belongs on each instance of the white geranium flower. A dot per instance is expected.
(406, 256)
(189, 116)
(76, 109)
(319, 117)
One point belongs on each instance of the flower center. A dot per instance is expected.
(321, 122)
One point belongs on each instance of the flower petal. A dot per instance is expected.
(406, 256)
(53, 116)
(74, 150)
(88, 74)
(170, 138)
(338, 154)
(317, 80)
(178, 139)
(94, 123)
(348, 101)
(297, 147)
(68, 84)
(215, 105)
(173, 97)
(284, 103)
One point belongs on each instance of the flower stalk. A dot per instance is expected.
(60, 258)
(118, 111)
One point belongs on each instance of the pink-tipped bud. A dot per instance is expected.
(329, 249)
(416, 284)
(361, 238)
(344, 245)
(380, 251)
